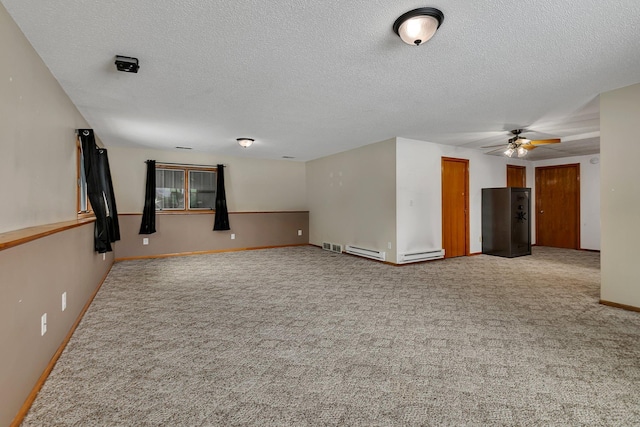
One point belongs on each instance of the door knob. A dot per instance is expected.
(541, 211)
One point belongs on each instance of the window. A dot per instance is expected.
(83, 205)
(169, 189)
(202, 189)
(185, 188)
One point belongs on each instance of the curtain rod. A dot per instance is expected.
(188, 164)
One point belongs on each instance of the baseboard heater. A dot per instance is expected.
(367, 253)
(420, 256)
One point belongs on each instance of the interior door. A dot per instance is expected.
(558, 206)
(516, 176)
(455, 207)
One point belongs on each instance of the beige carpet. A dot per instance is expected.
(300, 336)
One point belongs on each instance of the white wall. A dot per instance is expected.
(620, 197)
(352, 198)
(419, 194)
(37, 137)
(589, 196)
(251, 185)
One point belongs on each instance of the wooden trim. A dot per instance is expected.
(185, 167)
(78, 152)
(85, 215)
(89, 212)
(475, 253)
(214, 251)
(518, 168)
(52, 363)
(24, 235)
(213, 212)
(622, 306)
(590, 250)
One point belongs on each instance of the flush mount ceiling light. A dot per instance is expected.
(419, 25)
(245, 142)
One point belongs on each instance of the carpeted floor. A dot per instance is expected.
(300, 336)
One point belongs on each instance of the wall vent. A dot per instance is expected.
(367, 253)
(326, 246)
(336, 248)
(420, 256)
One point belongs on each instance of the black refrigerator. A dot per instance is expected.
(506, 221)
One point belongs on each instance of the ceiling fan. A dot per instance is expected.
(521, 146)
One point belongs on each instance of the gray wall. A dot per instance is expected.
(38, 158)
(37, 140)
(179, 234)
(352, 198)
(33, 276)
(620, 204)
(38, 167)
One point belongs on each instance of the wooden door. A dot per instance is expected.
(516, 176)
(558, 206)
(455, 207)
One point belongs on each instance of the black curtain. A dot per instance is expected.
(100, 192)
(221, 221)
(148, 225)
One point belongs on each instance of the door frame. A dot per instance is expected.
(467, 237)
(537, 197)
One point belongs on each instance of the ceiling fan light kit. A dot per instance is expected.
(419, 25)
(522, 151)
(509, 151)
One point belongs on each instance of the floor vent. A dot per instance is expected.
(367, 253)
(420, 256)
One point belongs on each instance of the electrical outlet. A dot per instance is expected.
(145, 240)
(389, 245)
(299, 232)
(233, 236)
(43, 324)
(64, 301)
(104, 257)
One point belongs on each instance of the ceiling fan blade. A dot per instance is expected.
(528, 147)
(545, 141)
(494, 146)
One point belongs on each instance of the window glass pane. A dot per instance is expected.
(84, 206)
(169, 189)
(202, 190)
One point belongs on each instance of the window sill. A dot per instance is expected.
(24, 235)
(85, 215)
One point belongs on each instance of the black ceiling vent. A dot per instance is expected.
(127, 64)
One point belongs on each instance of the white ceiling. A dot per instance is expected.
(308, 78)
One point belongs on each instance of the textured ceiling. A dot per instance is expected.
(308, 79)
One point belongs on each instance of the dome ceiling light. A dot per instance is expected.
(245, 142)
(419, 25)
